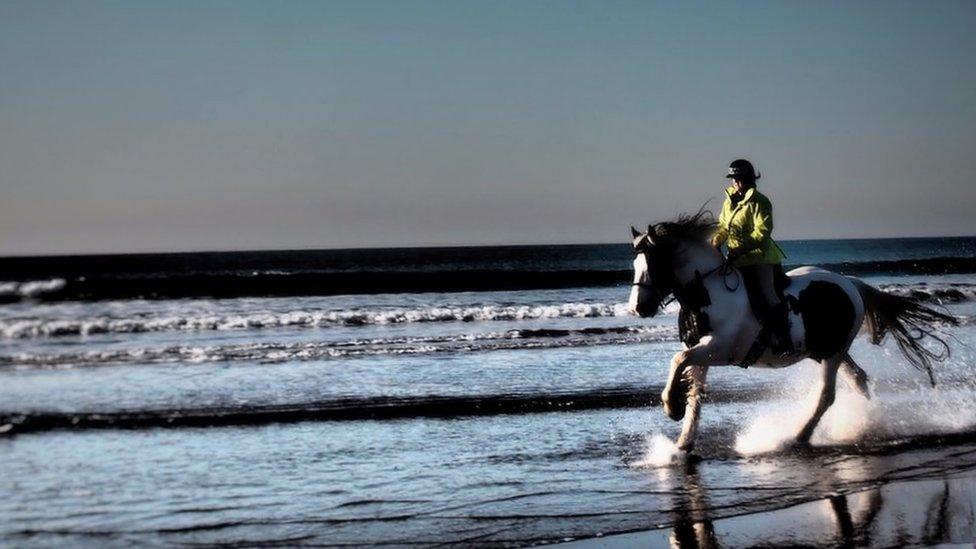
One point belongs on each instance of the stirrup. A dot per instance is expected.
(783, 351)
(779, 320)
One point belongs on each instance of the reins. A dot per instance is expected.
(725, 269)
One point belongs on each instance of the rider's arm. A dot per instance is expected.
(762, 226)
(721, 231)
(762, 222)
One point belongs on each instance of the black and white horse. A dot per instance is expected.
(718, 326)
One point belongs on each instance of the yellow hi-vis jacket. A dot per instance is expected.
(748, 227)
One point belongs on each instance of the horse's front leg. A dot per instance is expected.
(673, 395)
(696, 393)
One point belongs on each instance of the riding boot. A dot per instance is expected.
(778, 320)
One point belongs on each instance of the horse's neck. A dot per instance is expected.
(694, 257)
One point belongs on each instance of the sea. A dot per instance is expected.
(469, 396)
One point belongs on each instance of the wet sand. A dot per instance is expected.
(935, 506)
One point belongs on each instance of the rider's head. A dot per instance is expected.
(742, 174)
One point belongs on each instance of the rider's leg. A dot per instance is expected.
(757, 299)
(696, 394)
(828, 389)
(777, 316)
(764, 273)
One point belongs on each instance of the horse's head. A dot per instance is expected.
(653, 274)
(663, 248)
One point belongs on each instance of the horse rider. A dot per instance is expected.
(746, 227)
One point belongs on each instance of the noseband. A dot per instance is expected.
(659, 292)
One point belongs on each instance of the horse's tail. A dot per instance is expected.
(909, 323)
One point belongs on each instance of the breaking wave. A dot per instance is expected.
(15, 291)
(941, 292)
(21, 328)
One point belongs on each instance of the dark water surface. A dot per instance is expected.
(332, 272)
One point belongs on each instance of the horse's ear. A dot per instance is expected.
(634, 231)
(650, 234)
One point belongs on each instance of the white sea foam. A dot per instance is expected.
(42, 327)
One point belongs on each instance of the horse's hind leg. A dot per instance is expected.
(696, 393)
(828, 389)
(855, 377)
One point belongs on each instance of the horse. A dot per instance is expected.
(718, 327)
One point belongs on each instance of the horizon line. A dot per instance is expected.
(415, 247)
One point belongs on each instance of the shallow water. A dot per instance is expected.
(508, 479)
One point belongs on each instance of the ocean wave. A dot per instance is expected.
(940, 292)
(223, 283)
(15, 291)
(288, 352)
(22, 328)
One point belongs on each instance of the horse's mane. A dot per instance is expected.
(697, 226)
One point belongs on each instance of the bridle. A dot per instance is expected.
(725, 269)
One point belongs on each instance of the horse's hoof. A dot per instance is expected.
(675, 411)
(676, 401)
(799, 446)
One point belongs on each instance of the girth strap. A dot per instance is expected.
(757, 348)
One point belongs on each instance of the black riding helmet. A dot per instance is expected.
(742, 169)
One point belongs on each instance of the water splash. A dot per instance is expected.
(854, 419)
(919, 412)
(660, 451)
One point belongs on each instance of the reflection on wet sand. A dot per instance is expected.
(692, 527)
(931, 512)
(854, 529)
(900, 513)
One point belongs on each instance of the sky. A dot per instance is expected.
(207, 125)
